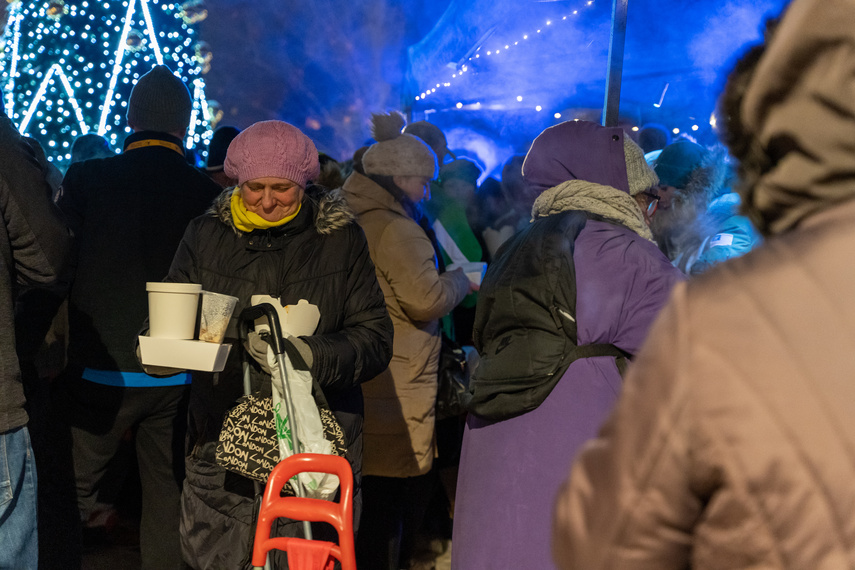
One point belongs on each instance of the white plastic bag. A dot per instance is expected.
(310, 430)
(297, 320)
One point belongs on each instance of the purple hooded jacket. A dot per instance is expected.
(510, 470)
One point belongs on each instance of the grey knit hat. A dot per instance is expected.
(638, 173)
(160, 102)
(432, 136)
(396, 153)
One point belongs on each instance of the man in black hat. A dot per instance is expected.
(129, 213)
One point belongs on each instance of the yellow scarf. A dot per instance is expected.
(246, 221)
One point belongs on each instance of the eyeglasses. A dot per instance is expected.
(652, 202)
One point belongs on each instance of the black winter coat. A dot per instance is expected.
(320, 256)
(128, 213)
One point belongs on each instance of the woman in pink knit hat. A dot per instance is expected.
(276, 234)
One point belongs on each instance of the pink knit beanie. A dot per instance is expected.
(272, 148)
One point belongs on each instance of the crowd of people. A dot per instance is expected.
(657, 355)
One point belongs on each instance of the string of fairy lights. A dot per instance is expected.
(69, 67)
(503, 47)
(464, 70)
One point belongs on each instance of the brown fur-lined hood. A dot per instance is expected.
(332, 211)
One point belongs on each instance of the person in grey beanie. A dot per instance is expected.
(128, 213)
(400, 441)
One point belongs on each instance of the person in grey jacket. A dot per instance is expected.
(34, 245)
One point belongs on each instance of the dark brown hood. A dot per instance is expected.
(800, 108)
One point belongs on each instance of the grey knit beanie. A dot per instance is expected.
(160, 102)
(638, 173)
(432, 136)
(396, 153)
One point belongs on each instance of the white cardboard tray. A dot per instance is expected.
(187, 354)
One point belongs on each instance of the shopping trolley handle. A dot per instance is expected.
(247, 319)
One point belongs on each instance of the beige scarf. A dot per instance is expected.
(605, 201)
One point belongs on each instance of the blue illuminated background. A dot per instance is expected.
(326, 65)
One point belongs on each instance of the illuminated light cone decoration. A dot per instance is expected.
(67, 67)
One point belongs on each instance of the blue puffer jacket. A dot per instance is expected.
(733, 236)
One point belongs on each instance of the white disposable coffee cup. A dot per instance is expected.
(172, 309)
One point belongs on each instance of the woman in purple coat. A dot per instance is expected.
(523, 432)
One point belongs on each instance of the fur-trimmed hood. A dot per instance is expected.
(688, 221)
(332, 211)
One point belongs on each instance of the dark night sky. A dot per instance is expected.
(323, 65)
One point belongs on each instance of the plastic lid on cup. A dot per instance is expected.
(160, 287)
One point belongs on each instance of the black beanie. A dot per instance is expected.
(160, 102)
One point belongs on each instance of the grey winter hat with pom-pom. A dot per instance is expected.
(396, 153)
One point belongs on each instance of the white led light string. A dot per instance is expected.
(465, 68)
(84, 129)
(54, 69)
(117, 68)
(13, 67)
(196, 97)
(491, 53)
(150, 28)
